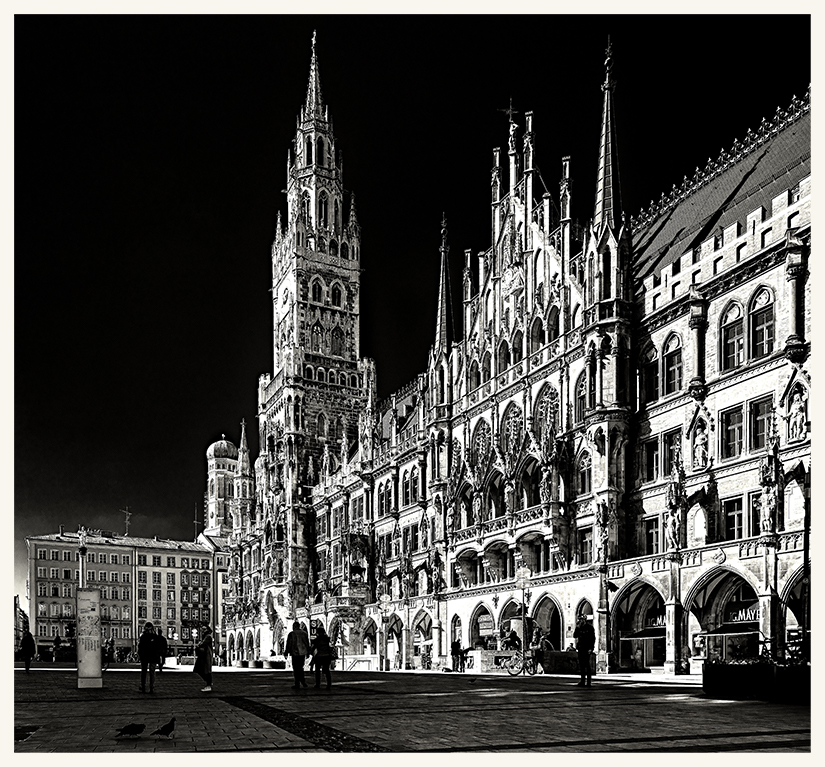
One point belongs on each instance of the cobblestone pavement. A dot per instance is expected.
(253, 710)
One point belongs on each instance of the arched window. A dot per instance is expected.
(584, 473)
(406, 488)
(761, 325)
(388, 497)
(354, 252)
(382, 509)
(336, 216)
(344, 251)
(650, 375)
(320, 375)
(336, 295)
(322, 425)
(553, 323)
(536, 335)
(673, 365)
(503, 357)
(309, 150)
(317, 292)
(733, 338)
(333, 247)
(475, 378)
(319, 158)
(309, 373)
(517, 351)
(306, 206)
(337, 342)
(323, 210)
(414, 484)
(581, 397)
(353, 382)
(212, 488)
(485, 367)
(317, 339)
(577, 316)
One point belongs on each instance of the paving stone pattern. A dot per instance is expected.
(253, 710)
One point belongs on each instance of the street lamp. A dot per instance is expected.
(522, 580)
(194, 638)
(385, 608)
(175, 645)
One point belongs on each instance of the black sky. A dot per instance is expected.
(150, 155)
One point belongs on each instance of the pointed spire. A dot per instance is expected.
(353, 218)
(608, 194)
(314, 103)
(444, 318)
(243, 469)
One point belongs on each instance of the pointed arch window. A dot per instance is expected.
(323, 210)
(536, 335)
(503, 357)
(584, 473)
(345, 251)
(333, 247)
(485, 367)
(733, 338)
(673, 365)
(336, 295)
(317, 339)
(761, 325)
(553, 323)
(320, 375)
(320, 156)
(517, 350)
(336, 216)
(475, 377)
(309, 151)
(337, 342)
(317, 292)
(414, 484)
(650, 375)
(321, 425)
(382, 509)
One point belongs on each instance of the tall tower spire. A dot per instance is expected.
(608, 197)
(314, 103)
(444, 318)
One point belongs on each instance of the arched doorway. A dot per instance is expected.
(638, 627)
(395, 639)
(482, 629)
(722, 616)
(510, 619)
(370, 638)
(794, 607)
(231, 648)
(547, 616)
(250, 646)
(455, 630)
(422, 641)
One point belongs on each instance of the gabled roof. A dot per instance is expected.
(751, 174)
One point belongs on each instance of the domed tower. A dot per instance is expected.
(221, 464)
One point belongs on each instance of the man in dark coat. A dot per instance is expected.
(585, 636)
(148, 654)
(297, 647)
(163, 646)
(28, 649)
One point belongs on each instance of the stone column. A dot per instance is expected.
(698, 324)
(599, 383)
(794, 271)
(603, 624)
(673, 616)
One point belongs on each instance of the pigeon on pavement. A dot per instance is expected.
(131, 729)
(166, 729)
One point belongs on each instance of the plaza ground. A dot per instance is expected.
(258, 711)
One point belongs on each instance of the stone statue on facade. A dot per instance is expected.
(700, 447)
(797, 427)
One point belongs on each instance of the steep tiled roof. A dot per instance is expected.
(751, 174)
(118, 540)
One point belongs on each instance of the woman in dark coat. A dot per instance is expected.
(322, 655)
(28, 649)
(203, 663)
(148, 654)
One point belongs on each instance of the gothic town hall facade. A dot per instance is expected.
(621, 432)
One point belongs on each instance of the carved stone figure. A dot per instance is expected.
(700, 447)
(797, 426)
(477, 507)
(546, 487)
(672, 527)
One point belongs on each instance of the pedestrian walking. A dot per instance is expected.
(458, 656)
(163, 646)
(108, 652)
(203, 660)
(536, 647)
(148, 654)
(585, 637)
(297, 647)
(322, 655)
(28, 649)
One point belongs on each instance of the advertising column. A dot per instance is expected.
(89, 673)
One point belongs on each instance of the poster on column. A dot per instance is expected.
(89, 673)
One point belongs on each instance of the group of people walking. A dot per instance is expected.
(298, 648)
(152, 649)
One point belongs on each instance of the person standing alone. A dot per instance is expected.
(148, 654)
(203, 662)
(163, 646)
(585, 637)
(28, 649)
(297, 647)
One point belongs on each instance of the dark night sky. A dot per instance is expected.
(150, 155)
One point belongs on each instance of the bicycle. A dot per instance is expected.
(519, 663)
